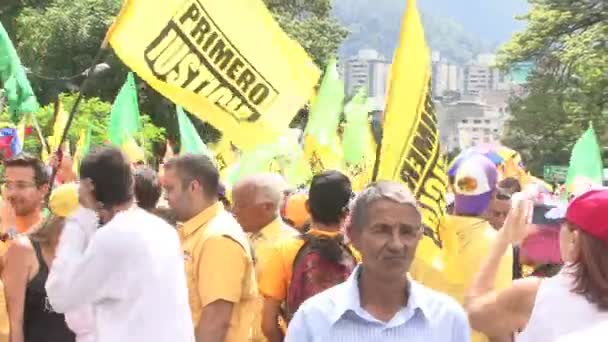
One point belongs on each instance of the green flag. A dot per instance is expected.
(125, 122)
(586, 168)
(324, 115)
(354, 140)
(283, 156)
(17, 89)
(190, 141)
(321, 143)
(124, 118)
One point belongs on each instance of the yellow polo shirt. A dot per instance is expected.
(264, 242)
(219, 266)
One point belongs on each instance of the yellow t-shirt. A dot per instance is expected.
(275, 279)
(219, 266)
(264, 244)
(467, 242)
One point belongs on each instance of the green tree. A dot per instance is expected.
(310, 23)
(92, 112)
(567, 40)
(59, 39)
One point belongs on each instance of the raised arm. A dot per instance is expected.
(500, 313)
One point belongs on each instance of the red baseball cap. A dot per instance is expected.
(589, 212)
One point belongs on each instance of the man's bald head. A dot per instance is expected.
(257, 200)
(262, 188)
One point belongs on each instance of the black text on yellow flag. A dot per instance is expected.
(410, 150)
(227, 62)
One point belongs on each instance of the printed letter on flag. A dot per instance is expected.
(410, 144)
(228, 62)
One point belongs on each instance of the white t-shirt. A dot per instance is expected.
(132, 272)
(561, 314)
(593, 333)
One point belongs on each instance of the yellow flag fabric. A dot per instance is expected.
(225, 156)
(21, 128)
(361, 175)
(466, 240)
(228, 62)
(61, 121)
(410, 145)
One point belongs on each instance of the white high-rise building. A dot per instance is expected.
(368, 69)
(482, 75)
(446, 76)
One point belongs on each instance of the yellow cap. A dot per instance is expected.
(64, 200)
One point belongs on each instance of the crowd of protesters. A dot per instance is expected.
(122, 253)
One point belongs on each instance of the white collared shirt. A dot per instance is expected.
(131, 271)
(336, 315)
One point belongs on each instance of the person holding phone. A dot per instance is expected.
(571, 303)
(131, 269)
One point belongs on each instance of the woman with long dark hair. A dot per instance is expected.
(571, 306)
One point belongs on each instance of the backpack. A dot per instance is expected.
(322, 262)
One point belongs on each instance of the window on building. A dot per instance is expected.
(477, 121)
(465, 121)
(487, 121)
(475, 129)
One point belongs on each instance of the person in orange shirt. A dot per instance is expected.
(219, 265)
(329, 196)
(24, 187)
(256, 201)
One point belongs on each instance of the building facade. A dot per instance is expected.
(368, 69)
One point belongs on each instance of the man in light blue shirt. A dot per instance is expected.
(379, 302)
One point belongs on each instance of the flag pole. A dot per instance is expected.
(377, 162)
(81, 91)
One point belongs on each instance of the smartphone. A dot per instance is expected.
(539, 215)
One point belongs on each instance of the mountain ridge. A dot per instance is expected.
(375, 24)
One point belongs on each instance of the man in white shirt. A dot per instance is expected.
(378, 302)
(130, 269)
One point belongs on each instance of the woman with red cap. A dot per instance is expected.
(571, 306)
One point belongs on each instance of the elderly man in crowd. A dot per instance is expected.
(256, 206)
(379, 301)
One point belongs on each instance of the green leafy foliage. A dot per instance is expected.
(59, 39)
(567, 41)
(310, 23)
(92, 112)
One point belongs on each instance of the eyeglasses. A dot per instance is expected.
(18, 185)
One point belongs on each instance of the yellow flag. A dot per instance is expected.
(410, 146)
(361, 176)
(228, 62)
(21, 129)
(61, 121)
(225, 156)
